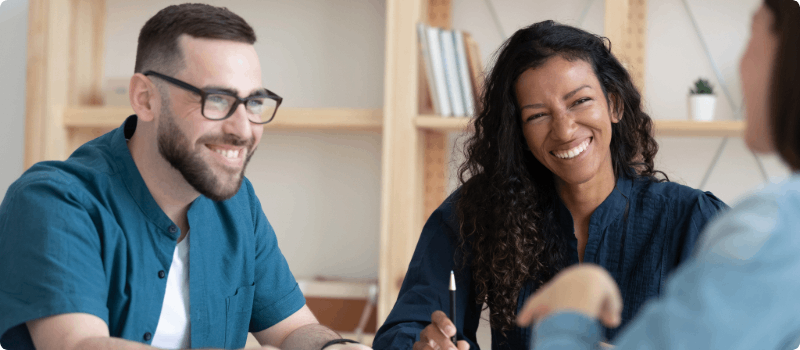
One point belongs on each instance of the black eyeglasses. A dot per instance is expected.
(220, 104)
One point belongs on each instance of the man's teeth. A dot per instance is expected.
(572, 153)
(231, 154)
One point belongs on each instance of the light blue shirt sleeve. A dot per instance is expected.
(741, 289)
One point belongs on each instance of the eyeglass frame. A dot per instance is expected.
(203, 93)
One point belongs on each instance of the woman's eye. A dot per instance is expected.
(535, 116)
(581, 100)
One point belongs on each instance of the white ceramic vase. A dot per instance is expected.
(701, 107)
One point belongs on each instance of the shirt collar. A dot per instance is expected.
(130, 176)
(614, 205)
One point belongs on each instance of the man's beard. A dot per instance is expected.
(174, 147)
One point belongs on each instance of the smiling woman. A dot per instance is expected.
(559, 171)
(568, 130)
(738, 290)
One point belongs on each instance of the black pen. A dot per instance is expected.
(453, 303)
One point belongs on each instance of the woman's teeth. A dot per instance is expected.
(572, 153)
(230, 154)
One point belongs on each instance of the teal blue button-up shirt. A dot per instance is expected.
(85, 235)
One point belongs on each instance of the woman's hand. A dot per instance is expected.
(436, 336)
(584, 288)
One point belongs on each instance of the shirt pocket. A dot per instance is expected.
(239, 308)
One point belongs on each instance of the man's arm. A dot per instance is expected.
(79, 331)
(76, 331)
(302, 331)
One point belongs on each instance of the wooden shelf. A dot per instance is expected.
(438, 123)
(287, 118)
(721, 128)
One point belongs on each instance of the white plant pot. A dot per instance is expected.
(701, 107)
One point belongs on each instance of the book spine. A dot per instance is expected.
(422, 30)
(435, 50)
(463, 74)
(475, 68)
(451, 73)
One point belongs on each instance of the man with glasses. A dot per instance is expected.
(150, 234)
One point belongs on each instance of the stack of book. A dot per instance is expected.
(453, 69)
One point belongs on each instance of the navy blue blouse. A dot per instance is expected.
(640, 233)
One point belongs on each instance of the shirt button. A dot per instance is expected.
(173, 229)
(147, 336)
(161, 274)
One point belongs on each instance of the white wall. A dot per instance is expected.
(319, 189)
(13, 41)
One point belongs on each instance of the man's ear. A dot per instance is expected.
(616, 108)
(144, 97)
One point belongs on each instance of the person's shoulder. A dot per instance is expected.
(450, 202)
(783, 195)
(676, 193)
(448, 207)
(767, 212)
(96, 156)
(785, 189)
(86, 172)
(52, 174)
(246, 193)
(47, 188)
(244, 201)
(667, 189)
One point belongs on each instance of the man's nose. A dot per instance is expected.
(238, 124)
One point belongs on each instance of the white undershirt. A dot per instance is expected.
(174, 326)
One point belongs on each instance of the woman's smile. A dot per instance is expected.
(571, 153)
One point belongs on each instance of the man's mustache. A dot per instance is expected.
(227, 139)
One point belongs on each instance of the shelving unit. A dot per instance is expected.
(65, 70)
(678, 128)
(286, 118)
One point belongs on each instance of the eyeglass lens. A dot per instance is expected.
(217, 106)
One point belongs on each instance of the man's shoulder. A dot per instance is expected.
(246, 193)
(86, 169)
(57, 174)
(96, 156)
(244, 202)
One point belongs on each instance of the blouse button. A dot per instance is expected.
(173, 229)
(147, 336)
(161, 274)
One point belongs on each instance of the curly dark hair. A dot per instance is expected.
(507, 199)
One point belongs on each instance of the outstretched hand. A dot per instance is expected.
(584, 288)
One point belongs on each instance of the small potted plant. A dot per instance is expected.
(702, 101)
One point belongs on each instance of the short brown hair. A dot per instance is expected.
(158, 40)
(785, 93)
